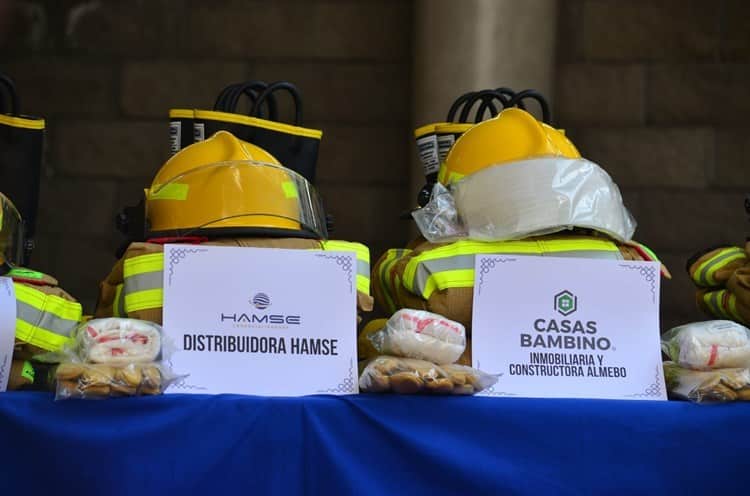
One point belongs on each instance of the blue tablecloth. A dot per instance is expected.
(385, 445)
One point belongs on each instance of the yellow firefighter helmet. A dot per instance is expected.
(513, 135)
(223, 186)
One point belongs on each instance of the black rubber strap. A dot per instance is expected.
(488, 104)
(281, 85)
(478, 96)
(219, 103)
(534, 95)
(10, 91)
(252, 89)
(457, 104)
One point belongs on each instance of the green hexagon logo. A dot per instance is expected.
(566, 302)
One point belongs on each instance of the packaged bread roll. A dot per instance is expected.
(421, 335)
(117, 341)
(715, 344)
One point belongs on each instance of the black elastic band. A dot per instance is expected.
(10, 91)
(534, 95)
(281, 85)
(457, 104)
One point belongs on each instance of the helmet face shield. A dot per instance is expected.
(240, 196)
(11, 232)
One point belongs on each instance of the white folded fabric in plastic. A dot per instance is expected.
(541, 196)
(714, 344)
(119, 341)
(422, 335)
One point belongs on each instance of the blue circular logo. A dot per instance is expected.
(261, 301)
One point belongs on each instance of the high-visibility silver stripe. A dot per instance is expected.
(428, 267)
(142, 282)
(464, 262)
(363, 268)
(45, 320)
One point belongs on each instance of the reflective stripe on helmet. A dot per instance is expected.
(44, 320)
(705, 272)
(452, 266)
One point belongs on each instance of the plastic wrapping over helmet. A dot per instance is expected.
(513, 135)
(11, 233)
(541, 196)
(227, 187)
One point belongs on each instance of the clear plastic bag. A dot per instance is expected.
(410, 376)
(714, 344)
(541, 196)
(707, 386)
(99, 381)
(113, 357)
(422, 335)
(118, 341)
(438, 221)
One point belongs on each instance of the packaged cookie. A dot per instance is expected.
(707, 386)
(98, 381)
(389, 374)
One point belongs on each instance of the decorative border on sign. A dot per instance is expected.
(178, 254)
(649, 274)
(347, 385)
(180, 384)
(344, 262)
(487, 265)
(2, 368)
(7, 285)
(653, 390)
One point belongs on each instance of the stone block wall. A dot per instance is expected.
(104, 75)
(656, 92)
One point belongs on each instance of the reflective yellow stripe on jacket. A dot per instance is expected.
(143, 282)
(143, 277)
(704, 273)
(452, 266)
(384, 276)
(44, 320)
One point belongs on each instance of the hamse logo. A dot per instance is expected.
(261, 301)
(566, 303)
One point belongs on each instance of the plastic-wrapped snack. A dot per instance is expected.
(97, 381)
(411, 376)
(422, 335)
(707, 386)
(467, 380)
(715, 344)
(118, 341)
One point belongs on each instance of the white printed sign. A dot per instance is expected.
(7, 328)
(261, 321)
(568, 327)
